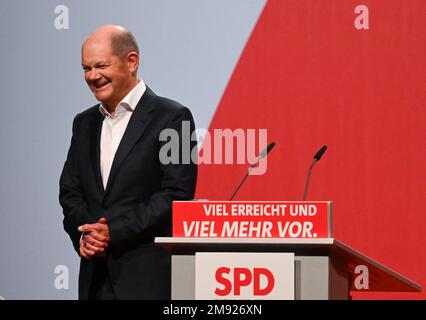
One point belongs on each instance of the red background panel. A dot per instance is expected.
(311, 78)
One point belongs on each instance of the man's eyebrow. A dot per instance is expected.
(98, 63)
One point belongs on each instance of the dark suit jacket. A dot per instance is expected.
(137, 201)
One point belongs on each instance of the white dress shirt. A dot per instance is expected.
(113, 127)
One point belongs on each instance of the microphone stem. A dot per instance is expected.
(307, 180)
(239, 186)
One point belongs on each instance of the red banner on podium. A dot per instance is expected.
(252, 219)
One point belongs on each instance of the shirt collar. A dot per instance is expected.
(129, 102)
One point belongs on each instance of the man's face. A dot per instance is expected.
(107, 75)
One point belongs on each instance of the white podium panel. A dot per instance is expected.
(225, 275)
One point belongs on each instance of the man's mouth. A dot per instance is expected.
(100, 86)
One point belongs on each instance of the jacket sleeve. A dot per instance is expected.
(71, 195)
(178, 181)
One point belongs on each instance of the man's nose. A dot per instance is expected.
(93, 75)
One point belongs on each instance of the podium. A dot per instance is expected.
(324, 268)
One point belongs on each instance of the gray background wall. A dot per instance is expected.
(189, 49)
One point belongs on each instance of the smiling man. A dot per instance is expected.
(115, 193)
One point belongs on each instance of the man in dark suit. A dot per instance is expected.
(116, 187)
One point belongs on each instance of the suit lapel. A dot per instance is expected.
(95, 137)
(137, 124)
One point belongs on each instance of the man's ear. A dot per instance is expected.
(133, 61)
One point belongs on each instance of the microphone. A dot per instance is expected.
(317, 157)
(320, 152)
(261, 156)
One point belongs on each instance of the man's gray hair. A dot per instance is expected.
(123, 42)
